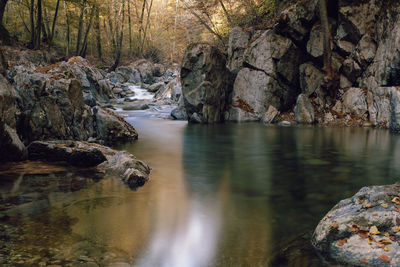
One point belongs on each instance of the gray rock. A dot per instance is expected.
(75, 153)
(112, 128)
(366, 50)
(155, 87)
(355, 102)
(315, 43)
(311, 80)
(11, 147)
(395, 109)
(139, 106)
(206, 82)
(8, 103)
(146, 69)
(117, 90)
(275, 54)
(253, 93)
(112, 163)
(295, 21)
(271, 115)
(351, 70)
(238, 41)
(304, 111)
(345, 47)
(344, 82)
(159, 70)
(89, 100)
(343, 234)
(284, 123)
(128, 74)
(179, 114)
(196, 118)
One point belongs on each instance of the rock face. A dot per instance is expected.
(11, 147)
(238, 41)
(304, 111)
(362, 230)
(112, 128)
(206, 83)
(271, 77)
(113, 163)
(8, 103)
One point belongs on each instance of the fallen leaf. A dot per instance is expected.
(368, 205)
(324, 219)
(372, 238)
(335, 224)
(384, 258)
(374, 230)
(355, 228)
(375, 214)
(396, 229)
(340, 243)
(397, 220)
(396, 209)
(361, 202)
(386, 234)
(363, 234)
(387, 249)
(380, 245)
(385, 241)
(364, 260)
(393, 238)
(396, 200)
(384, 205)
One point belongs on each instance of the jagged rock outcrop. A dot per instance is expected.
(362, 230)
(271, 77)
(238, 40)
(112, 163)
(206, 83)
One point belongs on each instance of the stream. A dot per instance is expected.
(219, 195)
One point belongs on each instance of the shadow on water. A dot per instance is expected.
(219, 195)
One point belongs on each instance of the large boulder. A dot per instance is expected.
(11, 147)
(8, 103)
(112, 128)
(353, 101)
(304, 110)
(52, 108)
(238, 40)
(362, 230)
(146, 70)
(311, 79)
(92, 80)
(254, 91)
(112, 163)
(295, 21)
(206, 83)
(395, 109)
(276, 55)
(128, 74)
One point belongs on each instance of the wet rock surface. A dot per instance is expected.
(362, 230)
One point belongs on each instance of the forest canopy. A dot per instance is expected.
(115, 29)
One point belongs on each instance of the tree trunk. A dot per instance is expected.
(32, 20)
(4, 34)
(82, 53)
(331, 79)
(53, 27)
(39, 25)
(141, 23)
(130, 27)
(98, 33)
(121, 36)
(147, 26)
(175, 26)
(67, 33)
(78, 40)
(228, 17)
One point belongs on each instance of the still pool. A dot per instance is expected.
(219, 195)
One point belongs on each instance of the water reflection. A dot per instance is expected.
(219, 195)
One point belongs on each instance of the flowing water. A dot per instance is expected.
(219, 195)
